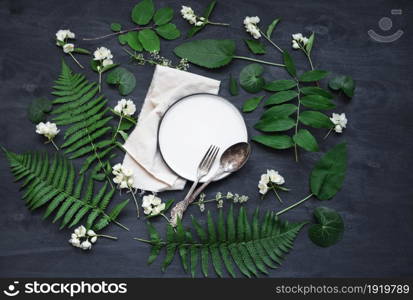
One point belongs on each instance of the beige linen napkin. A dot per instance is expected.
(142, 154)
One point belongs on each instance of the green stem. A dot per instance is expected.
(100, 81)
(117, 33)
(117, 129)
(259, 61)
(294, 205)
(271, 42)
(136, 201)
(53, 143)
(74, 58)
(215, 23)
(297, 119)
(107, 236)
(275, 192)
(328, 133)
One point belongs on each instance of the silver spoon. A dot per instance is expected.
(231, 161)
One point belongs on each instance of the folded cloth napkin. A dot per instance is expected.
(142, 154)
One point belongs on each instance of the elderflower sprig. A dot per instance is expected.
(272, 180)
(62, 37)
(156, 59)
(300, 42)
(124, 109)
(339, 123)
(219, 199)
(251, 27)
(124, 180)
(49, 130)
(189, 15)
(102, 62)
(80, 238)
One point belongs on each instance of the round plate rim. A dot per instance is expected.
(162, 118)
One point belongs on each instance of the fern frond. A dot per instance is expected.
(79, 105)
(229, 243)
(51, 182)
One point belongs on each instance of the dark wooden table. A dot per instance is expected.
(376, 201)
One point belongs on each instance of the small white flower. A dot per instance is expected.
(47, 129)
(86, 245)
(297, 36)
(218, 196)
(263, 188)
(80, 231)
(67, 48)
(236, 198)
(298, 40)
(75, 242)
(304, 40)
(158, 209)
(62, 34)
(220, 203)
(295, 45)
(152, 205)
(125, 107)
(199, 23)
(275, 177)
(123, 176)
(94, 239)
(243, 199)
(340, 122)
(90, 232)
(251, 27)
(189, 15)
(265, 179)
(202, 207)
(102, 53)
(229, 195)
(107, 62)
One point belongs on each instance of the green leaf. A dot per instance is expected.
(274, 141)
(281, 97)
(327, 177)
(289, 64)
(313, 90)
(37, 109)
(149, 40)
(124, 79)
(251, 104)
(255, 46)
(233, 86)
(168, 31)
(280, 85)
(81, 51)
(279, 111)
(132, 38)
(315, 119)
(123, 38)
(163, 15)
(312, 76)
(310, 42)
(272, 125)
(271, 27)
(317, 102)
(142, 12)
(251, 79)
(343, 83)
(306, 140)
(329, 228)
(207, 53)
(115, 27)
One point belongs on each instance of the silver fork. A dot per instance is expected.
(203, 169)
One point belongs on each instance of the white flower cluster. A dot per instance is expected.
(80, 238)
(125, 107)
(219, 198)
(298, 40)
(61, 36)
(251, 27)
(152, 205)
(103, 55)
(339, 121)
(47, 129)
(271, 176)
(123, 176)
(189, 15)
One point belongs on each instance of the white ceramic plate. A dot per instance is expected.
(194, 123)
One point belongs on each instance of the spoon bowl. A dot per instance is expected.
(234, 157)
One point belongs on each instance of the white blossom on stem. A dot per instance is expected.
(339, 121)
(251, 26)
(152, 205)
(125, 107)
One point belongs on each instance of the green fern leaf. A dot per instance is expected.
(228, 244)
(53, 183)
